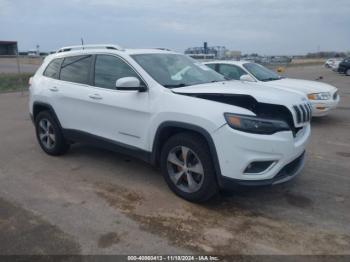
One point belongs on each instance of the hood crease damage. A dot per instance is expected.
(262, 110)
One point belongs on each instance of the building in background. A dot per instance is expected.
(233, 55)
(8, 48)
(206, 52)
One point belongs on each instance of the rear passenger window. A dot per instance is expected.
(53, 69)
(108, 69)
(76, 69)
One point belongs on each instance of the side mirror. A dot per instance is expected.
(129, 84)
(247, 78)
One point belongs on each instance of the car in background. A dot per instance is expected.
(280, 59)
(333, 63)
(344, 66)
(322, 96)
(33, 53)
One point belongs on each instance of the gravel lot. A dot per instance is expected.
(91, 201)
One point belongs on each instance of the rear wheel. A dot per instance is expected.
(187, 167)
(49, 134)
(347, 72)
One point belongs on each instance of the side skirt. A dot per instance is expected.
(100, 142)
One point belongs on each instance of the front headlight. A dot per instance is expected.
(256, 125)
(319, 96)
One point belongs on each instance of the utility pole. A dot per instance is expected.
(19, 71)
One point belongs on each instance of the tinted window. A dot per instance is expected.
(261, 72)
(212, 66)
(108, 69)
(76, 69)
(231, 71)
(53, 69)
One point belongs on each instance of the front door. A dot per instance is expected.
(121, 116)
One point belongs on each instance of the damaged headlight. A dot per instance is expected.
(256, 125)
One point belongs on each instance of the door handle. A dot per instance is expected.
(95, 96)
(53, 89)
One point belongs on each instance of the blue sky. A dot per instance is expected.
(267, 27)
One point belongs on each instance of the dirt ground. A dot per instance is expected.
(92, 201)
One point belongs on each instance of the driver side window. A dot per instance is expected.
(108, 69)
(231, 71)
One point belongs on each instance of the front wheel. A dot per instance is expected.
(188, 168)
(347, 72)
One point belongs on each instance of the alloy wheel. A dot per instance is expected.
(46, 134)
(185, 169)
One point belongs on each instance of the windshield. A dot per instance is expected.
(261, 72)
(175, 70)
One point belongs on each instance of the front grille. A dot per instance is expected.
(303, 112)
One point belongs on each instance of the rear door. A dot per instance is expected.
(49, 82)
(72, 93)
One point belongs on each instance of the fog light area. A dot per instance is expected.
(258, 167)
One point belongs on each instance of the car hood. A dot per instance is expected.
(269, 95)
(305, 86)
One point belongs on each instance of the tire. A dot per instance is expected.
(49, 134)
(195, 178)
(347, 72)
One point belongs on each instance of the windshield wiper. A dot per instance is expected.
(175, 86)
(270, 79)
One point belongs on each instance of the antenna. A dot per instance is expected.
(82, 43)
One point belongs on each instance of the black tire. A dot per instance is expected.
(347, 72)
(199, 149)
(59, 145)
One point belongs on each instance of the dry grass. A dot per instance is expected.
(23, 60)
(14, 82)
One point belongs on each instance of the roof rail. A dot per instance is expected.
(82, 47)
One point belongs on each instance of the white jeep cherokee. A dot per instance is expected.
(205, 133)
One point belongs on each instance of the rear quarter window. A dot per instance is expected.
(53, 69)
